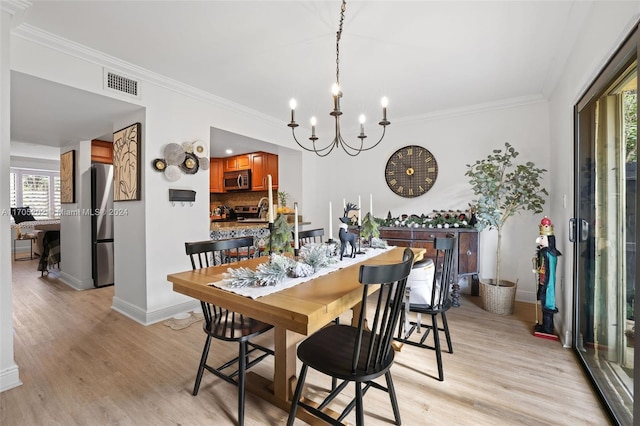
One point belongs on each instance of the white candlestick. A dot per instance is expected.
(344, 205)
(295, 227)
(359, 211)
(330, 222)
(371, 205)
(270, 199)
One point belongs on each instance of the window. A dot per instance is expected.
(37, 189)
(606, 206)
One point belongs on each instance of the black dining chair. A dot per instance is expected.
(225, 325)
(432, 300)
(310, 236)
(359, 354)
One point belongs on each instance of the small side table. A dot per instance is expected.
(30, 239)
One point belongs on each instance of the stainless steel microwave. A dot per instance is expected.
(237, 180)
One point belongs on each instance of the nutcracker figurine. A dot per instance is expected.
(545, 264)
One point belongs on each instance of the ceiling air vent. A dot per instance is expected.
(121, 84)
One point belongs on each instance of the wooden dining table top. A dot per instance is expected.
(294, 312)
(304, 308)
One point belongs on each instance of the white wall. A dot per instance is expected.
(8, 369)
(75, 224)
(455, 140)
(603, 31)
(35, 163)
(149, 238)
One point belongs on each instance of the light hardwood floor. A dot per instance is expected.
(84, 364)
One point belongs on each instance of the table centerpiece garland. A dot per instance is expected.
(282, 272)
(312, 258)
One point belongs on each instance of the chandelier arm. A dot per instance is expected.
(384, 130)
(346, 148)
(321, 152)
(293, 132)
(353, 147)
(329, 148)
(345, 145)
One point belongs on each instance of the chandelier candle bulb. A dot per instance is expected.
(335, 90)
(269, 184)
(362, 120)
(293, 104)
(313, 126)
(296, 242)
(384, 102)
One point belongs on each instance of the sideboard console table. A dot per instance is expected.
(466, 254)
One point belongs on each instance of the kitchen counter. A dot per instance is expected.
(258, 230)
(244, 224)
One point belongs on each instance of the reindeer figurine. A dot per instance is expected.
(344, 234)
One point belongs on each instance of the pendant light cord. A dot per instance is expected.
(338, 36)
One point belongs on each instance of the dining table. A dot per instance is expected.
(294, 312)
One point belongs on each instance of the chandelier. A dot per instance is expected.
(357, 147)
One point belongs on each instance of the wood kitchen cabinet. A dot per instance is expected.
(101, 151)
(238, 162)
(263, 164)
(216, 174)
(465, 261)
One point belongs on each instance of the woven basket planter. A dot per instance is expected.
(498, 299)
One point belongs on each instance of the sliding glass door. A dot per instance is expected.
(605, 233)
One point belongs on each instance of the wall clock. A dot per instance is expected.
(411, 171)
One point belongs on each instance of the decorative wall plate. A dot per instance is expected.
(174, 154)
(159, 164)
(190, 164)
(204, 163)
(172, 172)
(200, 149)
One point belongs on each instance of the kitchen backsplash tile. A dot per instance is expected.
(242, 198)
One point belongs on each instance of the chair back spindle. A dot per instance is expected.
(361, 354)
(310, 236)
(375, 344)
(444, 268)
(430, 296)
(226, 325)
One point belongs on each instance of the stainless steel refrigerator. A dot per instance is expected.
(102, 224)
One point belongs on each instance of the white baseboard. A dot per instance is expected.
(526, 296)
(9, 378)
(74, 282)
(147, 318)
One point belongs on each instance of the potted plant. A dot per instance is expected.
(504, 188)
(282, 201)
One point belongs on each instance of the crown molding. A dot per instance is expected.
(16, 9)
(36, 35)
(14, 6)
(474, 109)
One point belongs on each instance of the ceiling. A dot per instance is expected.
(425, 56)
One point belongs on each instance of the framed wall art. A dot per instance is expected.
(68, 177)
(126, 164)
